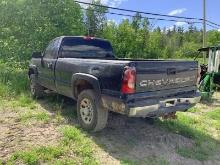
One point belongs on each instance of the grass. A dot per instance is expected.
(203, 128)
(194, 124)
(129, 162)
(14, 79)
(37, 155)
(32, 116)
(76, 148)
(73, 148)
(214, 115)
(151, 160)
(73, 137)
(61, 110)
(24, 100)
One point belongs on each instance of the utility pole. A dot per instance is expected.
(204, 28)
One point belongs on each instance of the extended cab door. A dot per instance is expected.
(47, 69)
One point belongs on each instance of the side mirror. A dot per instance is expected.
(36, 55)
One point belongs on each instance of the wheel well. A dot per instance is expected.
(81, 85)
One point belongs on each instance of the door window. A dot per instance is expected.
(51, 50)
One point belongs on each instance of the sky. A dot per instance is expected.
(187, 8)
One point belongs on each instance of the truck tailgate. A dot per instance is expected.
(162, 75)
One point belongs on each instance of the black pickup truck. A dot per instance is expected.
(85, 69)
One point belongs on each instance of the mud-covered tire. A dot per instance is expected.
(88, 104)
(37, 91)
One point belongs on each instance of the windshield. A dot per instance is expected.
(79, 47)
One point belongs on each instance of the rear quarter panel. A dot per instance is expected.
(108, 73)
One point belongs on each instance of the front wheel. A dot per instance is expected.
(37, 91)
(91, 116)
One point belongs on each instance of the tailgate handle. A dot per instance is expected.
(171, 71)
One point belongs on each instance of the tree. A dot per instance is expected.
(213, 37)
(95, 19)
(136, 22)
(28, 25)
(31, 24)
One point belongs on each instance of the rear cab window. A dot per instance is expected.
(83, 47)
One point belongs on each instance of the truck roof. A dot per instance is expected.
(83, 37)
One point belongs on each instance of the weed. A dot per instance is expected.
(151, 160)
(83, 145)
(24, 100)
(40, 116)
(30, 158)
(203, 128)
(65, 161)
(196, 152)
(215, 114)
(196, 127)
(14, 78)
(58, 117)
(179, 126)
(129, 162)
(3, 90)
(75, 143)
(36, 155)
(49, 153)
(193, 110)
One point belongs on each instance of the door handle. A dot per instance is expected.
(50, 65)
(95, 70)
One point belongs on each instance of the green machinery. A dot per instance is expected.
(210, 73)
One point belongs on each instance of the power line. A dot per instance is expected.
(213, 23)
(153, 18)
(212, 26)
(148, 13)
(135, 11)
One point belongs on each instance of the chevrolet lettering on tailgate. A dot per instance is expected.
(166, 82)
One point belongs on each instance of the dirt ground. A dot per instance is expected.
(123, 139)
(16, 136)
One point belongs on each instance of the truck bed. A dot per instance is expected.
(151, 75)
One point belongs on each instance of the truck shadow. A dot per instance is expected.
(135, 141)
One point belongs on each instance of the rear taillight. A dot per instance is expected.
(128, 81)
(88, 38)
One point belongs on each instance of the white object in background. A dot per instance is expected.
(217, 61)
(210, 62)
(214, 61)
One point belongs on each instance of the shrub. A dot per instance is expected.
(13, 80)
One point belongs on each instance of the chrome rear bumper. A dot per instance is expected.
(164, 106)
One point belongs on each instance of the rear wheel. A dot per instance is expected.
(37, 91)
(91, 116)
